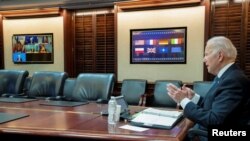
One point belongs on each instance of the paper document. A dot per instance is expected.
(157, 118)
(133, 128)
(153, 111)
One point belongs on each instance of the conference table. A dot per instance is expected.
(82, 122)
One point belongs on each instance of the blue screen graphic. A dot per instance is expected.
(161, 45)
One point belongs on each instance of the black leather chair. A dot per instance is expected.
(93, 87)
(201, 87)
(46, 84)
(69, 86)
(134, 90)
(194, 134)
(12, 82)
(26, 85)
(160, 97)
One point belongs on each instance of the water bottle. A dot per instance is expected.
(117, 113)
(112, 110)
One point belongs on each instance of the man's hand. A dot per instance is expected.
(178, 94)
(190, 92)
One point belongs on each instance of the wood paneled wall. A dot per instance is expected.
(231, 19)
(95, 42)
(69, 40)
(90, 38)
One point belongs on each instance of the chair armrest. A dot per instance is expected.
(142, 100)
(192, 132)
(21, 95)
(102, 101)
(5, 95)
(13, 95)
(57, 98)
(147, 99)
(50, 98)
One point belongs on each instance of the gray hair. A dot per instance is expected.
(221, 43)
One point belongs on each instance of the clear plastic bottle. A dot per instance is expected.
(117, 113)
(111, 110)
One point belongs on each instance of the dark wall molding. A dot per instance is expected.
(30, 13)
(65, 4)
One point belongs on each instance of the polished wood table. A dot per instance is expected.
(76, 123)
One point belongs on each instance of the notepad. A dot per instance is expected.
(6, 117)
(64, 103)
(157, 118)
(15, 100)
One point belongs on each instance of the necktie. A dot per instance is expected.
(213, 86)
(214, 83)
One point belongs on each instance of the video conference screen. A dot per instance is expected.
(158, 46)
(32, 48)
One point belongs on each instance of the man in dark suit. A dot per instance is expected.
(227, 102)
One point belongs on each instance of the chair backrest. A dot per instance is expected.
(201, 87)
(47, 84)
(69, 86)
(133, 89)
(12, 81)
(93, 86)
(160, 94)
(26, 84)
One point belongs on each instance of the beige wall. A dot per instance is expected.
(37, 25)
(192, 17)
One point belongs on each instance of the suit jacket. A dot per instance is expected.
(227, 104)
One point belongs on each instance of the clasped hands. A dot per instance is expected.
(178, 94)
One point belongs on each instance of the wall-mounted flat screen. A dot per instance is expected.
(32, 48)
(158, 46)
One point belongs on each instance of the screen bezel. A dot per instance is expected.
(156, 61)
(51, 61)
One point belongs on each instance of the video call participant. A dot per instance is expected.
(18, 47)
(227, 102)
(42, 49)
